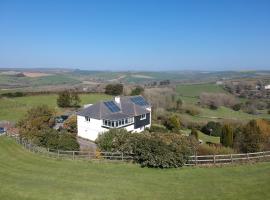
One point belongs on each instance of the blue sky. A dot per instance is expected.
(136, 34)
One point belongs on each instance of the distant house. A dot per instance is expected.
(132, 113)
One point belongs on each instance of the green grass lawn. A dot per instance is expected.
(194, 90)
(14, 108)
(27, 176)
(205, 138)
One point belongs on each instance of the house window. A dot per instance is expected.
(143, 116)
(87, 119)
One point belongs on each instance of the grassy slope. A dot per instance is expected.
(189, 95)
(26, 176)
(196, 89)
(14, 108)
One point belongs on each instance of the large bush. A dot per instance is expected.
(253, 137)
(36, 119)
(160, 150)
(114, 89)
(212, 128)
(62, 140)
(172, 123)
(68, 99)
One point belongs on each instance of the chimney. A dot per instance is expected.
(117, 99)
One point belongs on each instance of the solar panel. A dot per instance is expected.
(139, 101)
(112, 106)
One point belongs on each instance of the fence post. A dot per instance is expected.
(58, 154)
(214, 159)
(89, 155)
(196, 159)
(122, 156)
(73, 155)
(247, 156)
(231, 158)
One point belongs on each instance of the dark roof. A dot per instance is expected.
(127, 109)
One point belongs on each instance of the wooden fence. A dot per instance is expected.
(118, 156)
(228, 158)
(74, 155)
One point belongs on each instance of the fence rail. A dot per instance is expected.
(118, 156)
(228, 158)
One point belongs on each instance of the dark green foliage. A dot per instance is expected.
(13, 94)
(158, 128)
(68, 99)
(114, 89)
(59, 140)
(212, 128)
(194, 133)
(237, 107)
(172, 123)
(149, 149)
(179, 104)
(227, 136)
(137, 91)
(67, 142)
(64, 99)
(114, 140)
(250, 138)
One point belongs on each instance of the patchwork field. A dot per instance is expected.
(27, 176)
(14, 108)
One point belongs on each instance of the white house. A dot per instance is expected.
(130, 112)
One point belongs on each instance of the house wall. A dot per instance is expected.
(89, 130)
(141, 123)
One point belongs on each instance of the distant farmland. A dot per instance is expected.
(14, 108)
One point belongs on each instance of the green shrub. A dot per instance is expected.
(172, 123)
(158, 128)
(159, 150)
(237, 107)
(212, 128)
(137, 91)
(62, 140)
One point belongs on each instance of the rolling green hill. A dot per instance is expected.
(14, 108)
(27, 176)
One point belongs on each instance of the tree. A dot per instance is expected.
(194, 133)
(68, 99)
(114, 89)
(36, 119)
(137, 91)
(251, 137)
(227, 136)
(64, 99)
(75, 99)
